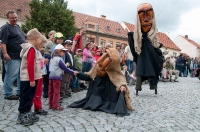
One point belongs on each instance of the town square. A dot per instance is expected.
(99, 66)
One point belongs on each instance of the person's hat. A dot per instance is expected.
(68, 42)
(78, 50)
(58, 35)
(99, 46)
(60, 47)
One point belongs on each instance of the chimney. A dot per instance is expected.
(186, 36)
(103, 17)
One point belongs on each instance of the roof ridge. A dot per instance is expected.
(96, 17)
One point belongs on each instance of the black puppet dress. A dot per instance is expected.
(102, 96)
(149, 62)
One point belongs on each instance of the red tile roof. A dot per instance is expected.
(166, 41)
(103, 23)
(15, 5)
(129, 26)
(162, 37)
(192, 42)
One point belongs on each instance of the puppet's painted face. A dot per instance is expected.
(103, 62)
(145, 12)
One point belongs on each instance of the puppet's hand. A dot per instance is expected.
(75, 73)
(122, 89)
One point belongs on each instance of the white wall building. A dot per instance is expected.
(187, 46)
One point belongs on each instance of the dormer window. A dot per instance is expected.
(118, 30)
(91, 26)
(108, 27)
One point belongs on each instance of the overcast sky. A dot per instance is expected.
(173, 17)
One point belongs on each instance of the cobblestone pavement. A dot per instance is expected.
(175, 108)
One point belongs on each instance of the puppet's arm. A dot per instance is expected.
(83, 76)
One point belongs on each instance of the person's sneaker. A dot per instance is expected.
(60, 108)
(82, 85)
(33, 117)
(45, 96)
(12, 97)
(24, 119)
(18, 95)
(41, 112)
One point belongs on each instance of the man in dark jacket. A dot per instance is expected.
(145, 48)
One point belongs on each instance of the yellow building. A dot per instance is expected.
(100, 30)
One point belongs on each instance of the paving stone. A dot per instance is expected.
(175, 108)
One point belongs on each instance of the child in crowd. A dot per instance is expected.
(37, 98)
(65, 90)
(56, 68)
(97, 55)
(30, 72)
(78, 67)
(93, 58)
(130, 78)
(58, 39)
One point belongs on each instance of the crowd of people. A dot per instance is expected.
(180, 66)
(44, 66)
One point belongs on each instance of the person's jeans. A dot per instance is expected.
(185, 71)
(75, 82)
(12, 69)
(191, 73)
(129, 65)
(54, 93)
(87, 66)
(26, 97)
(181, 68)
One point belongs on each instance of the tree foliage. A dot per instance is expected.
(47, 15)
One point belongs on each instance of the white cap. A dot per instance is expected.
(68, 41)
(60, 47)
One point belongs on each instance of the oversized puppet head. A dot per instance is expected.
(145, 13)
(145, 23)
(103, 62)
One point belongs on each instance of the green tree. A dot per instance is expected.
(47, 15)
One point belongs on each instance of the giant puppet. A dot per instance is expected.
(107, 90)
(145, 48)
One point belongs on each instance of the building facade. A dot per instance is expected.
(187, 46)
(100, 30)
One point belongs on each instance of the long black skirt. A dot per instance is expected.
(102, 96)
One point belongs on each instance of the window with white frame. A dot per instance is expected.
(102, 44)
(111, 43)
(174, 54)
(90, 39)
(91, 26)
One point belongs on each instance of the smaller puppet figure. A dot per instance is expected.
(107, 90)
